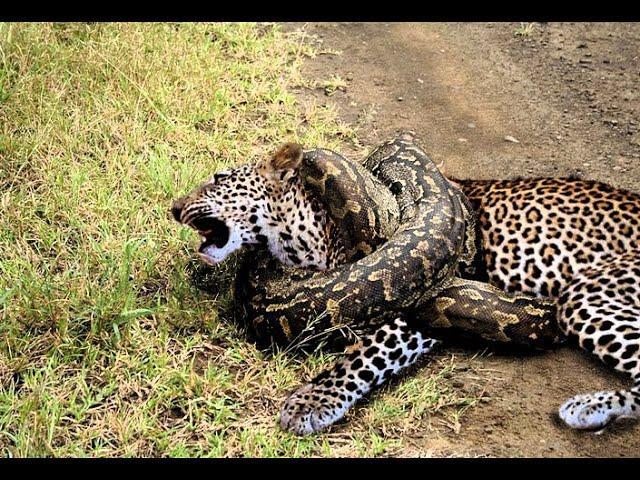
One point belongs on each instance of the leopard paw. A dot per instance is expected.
(311, 409)
(590, 411)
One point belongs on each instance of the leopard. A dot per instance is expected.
(575, 242)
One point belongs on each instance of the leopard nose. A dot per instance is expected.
(176, 209)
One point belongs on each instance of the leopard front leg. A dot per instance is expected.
(372, 362)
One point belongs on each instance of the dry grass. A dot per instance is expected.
(107, 348)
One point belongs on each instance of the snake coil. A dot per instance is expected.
(406, 229)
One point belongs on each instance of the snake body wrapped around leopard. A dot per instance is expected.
(405, 232)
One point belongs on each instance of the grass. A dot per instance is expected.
(525, 29)
(106, 346)
(333, 84)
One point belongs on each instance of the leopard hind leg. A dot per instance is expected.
(601, 307)
(596, 410)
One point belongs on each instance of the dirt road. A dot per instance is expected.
(561, 99)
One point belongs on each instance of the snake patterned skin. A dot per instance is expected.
(406, 232)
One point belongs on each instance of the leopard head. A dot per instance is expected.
(240, 206)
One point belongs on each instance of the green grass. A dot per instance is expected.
(525, 29)
(106, 347)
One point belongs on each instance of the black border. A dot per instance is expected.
(390, 468)
(372, 10)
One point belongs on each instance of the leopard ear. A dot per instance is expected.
(288, 157)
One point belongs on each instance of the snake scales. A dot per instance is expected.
(405, 230)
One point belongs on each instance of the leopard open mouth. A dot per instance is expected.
(213, 231)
